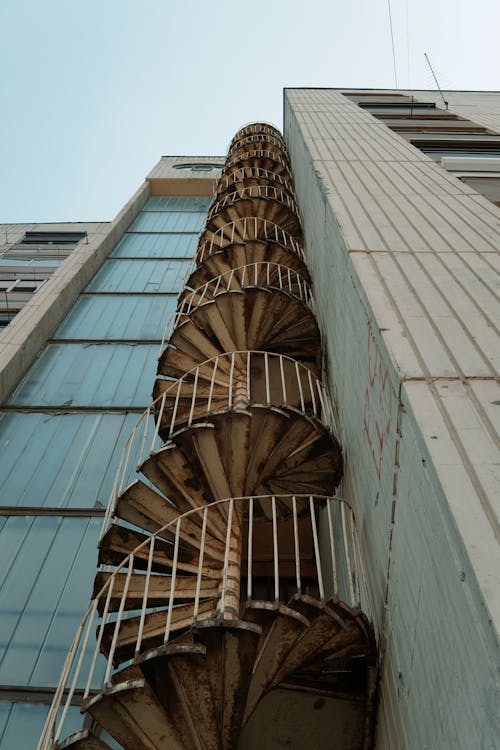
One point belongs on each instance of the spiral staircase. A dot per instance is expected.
(227, 605)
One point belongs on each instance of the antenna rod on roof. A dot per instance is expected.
(434, 76)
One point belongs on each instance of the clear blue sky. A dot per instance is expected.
(94, 92)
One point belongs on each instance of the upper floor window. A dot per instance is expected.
(199, 167)
(51, 238)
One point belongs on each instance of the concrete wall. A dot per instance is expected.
(416, 400)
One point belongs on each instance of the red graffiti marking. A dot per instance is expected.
(377, 413)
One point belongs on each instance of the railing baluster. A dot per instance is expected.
(324, 414)
(266, 371)
(249, 384)
(83, 648)
(100, 632)
(355, 581)
(200, 564)
(299, 383)
(347, 554)
(222, 604)
(212, 382)
(172, 581)
(311, 389)
(316, 548)
(283, 381)
(127, 459)
(231, 378)
(332, 548)
(158, 422)
(275, 552)
(174, 410)
(118, 622)
(250, 550)
(146, 418)
(296, 545)
(147, 579)
(193, 396)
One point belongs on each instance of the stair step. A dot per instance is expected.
(190, 676)
(298, 442)
(158, 589)
(145, 508)
(273, 321)
(154, 629)
(133, 716)
(261, 207)
(180, 478)
(245, 454)
(231, 650)
(285, 629)
(85, 739)
(118, 542)
(154, 666)
(324, 626)
(223, 260)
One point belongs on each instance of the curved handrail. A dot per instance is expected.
(257, 127)
(260, 274)
(249, 173)
(228, 380)
(263, 229)
(335, 565)
(258, 138)
(264, 192)
(293, 377)
(256, 154)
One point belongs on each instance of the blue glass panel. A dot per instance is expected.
(181, 221)
(140, 276)
(109, 317)
(63, 460)
(21, 724)
(178, 203)
(156, 246)
(68, 375)
(47, 565)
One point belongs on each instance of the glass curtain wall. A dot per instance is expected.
(61, 437)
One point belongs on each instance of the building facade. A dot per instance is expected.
(403, 259)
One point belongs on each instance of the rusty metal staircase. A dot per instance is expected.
(228, 600)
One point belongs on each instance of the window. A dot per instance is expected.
(199, 167)
(52, 238)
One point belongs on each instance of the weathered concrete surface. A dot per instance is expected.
(24, 337)
(404, 260)
(167, 179)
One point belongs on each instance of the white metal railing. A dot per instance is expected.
(276, 547)
(263, 274)
(256, 154)
(266, 192)
(248, 229)
(252, 173)
(260, 139)
(257, 127)
(224, 382)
